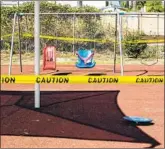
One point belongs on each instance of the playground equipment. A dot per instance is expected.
(157, 47)
(137, 119)
(85, 58)
(78, 38)
(49, 58)
(140, 28)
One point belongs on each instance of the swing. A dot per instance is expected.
(157, 55)
(85, 58)
(152, 63)
(49, 58)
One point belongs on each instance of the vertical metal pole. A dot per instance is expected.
(115, 44)
(79, 3)
(106, 3)
(127, 26)
(120, 46)
(138, 23)
(26, 32)
(19, 36)
(141, 19)
(95, 33)
(57, 26)
(73, 34)
(157, 37)
(12, 44)
(134, 5)
(77, 30)
(37, 50)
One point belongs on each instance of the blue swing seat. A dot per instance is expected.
(84, 53)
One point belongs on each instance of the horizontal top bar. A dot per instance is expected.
(109, 13)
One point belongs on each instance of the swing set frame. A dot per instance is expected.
(118, 34)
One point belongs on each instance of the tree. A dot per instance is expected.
(125, 4)
(132, 48)
(140, 4)
(154, 6)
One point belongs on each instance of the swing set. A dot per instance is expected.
(85, 57)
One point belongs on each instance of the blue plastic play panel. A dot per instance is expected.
(137, 119)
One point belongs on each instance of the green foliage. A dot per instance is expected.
(155, 6)
(150, 52)
(132, 48)
(124, 4)
(152, 6)
(51, 25)
(140, 4)
(6, 46)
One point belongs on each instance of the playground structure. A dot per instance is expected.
(85, 58)
(82, 26)
(49, 58)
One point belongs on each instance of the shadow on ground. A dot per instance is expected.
(102, 72)
(91, 115)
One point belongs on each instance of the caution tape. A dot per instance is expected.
(88, 40)
(69, 38)
(94, 40)
(9, 35)
(29, 79)
(144, 41)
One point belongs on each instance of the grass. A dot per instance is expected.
(70, 59)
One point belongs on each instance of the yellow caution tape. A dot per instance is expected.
(70, 38)
(9, 35)
(86, 39)
(29, 79)
(145, 41)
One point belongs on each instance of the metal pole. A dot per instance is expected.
(106, 3)
(92, 13)
(73, 34)
(138, 24)
(19, 36)
(115, 44)
(79, 3)
(37, 51)
(12, 44)
(57, 27)
(95, 33)
(27, 32)
(157, 37)
(120, 46)
(141, 19)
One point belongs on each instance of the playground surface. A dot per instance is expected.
(74, 126)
